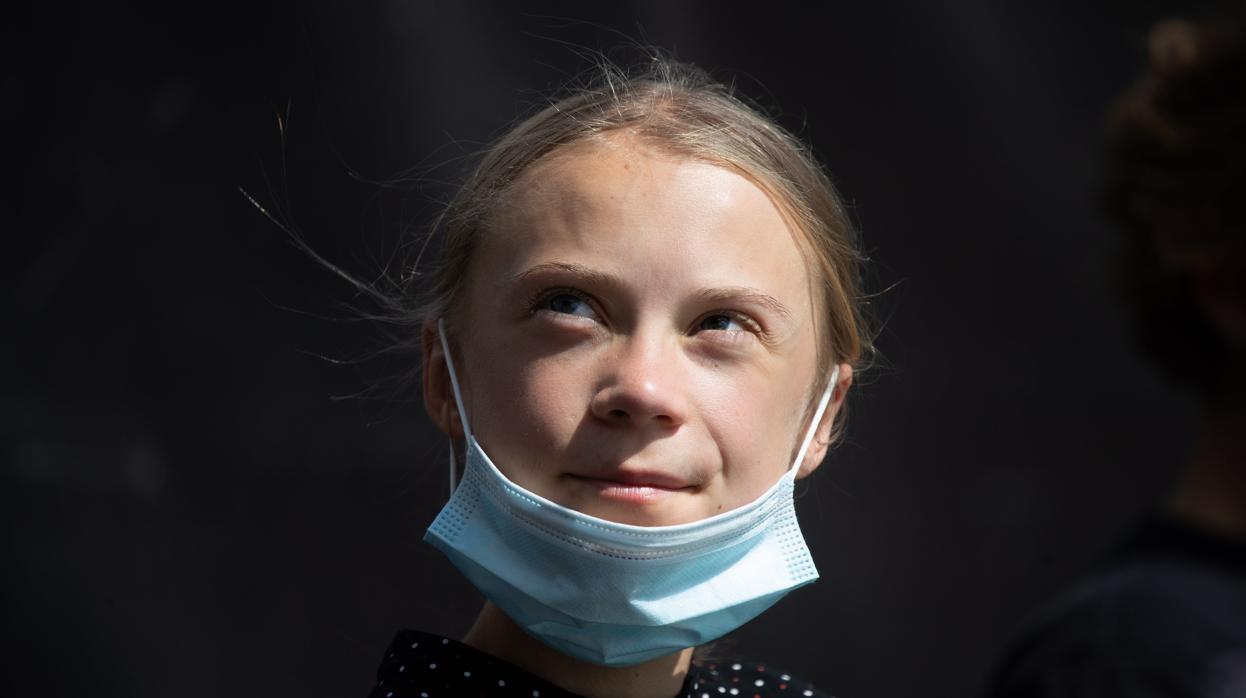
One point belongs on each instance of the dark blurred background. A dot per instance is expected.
(191, 510)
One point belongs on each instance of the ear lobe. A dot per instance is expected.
(450, 422)
(438, 393)
(822, 437)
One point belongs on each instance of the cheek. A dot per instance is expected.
(528, 411)
(552, 400)
(753, 425)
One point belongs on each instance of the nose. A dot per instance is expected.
(643, 385)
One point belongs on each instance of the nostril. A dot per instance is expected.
(618, 414)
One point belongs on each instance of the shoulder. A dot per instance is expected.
(1141, 627)
(748, 679)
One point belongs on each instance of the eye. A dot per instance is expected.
(722, 322)
(565, 302)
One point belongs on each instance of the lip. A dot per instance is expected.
(634, 488)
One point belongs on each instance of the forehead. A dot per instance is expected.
(635, 210)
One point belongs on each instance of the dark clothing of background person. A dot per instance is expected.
(1163, 616)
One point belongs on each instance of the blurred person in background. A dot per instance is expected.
(1165, 613)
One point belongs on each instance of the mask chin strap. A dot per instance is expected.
(458, 401)
(817, 418)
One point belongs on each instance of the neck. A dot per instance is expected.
(496, 634)
(1212, 491)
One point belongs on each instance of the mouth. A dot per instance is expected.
(634, 488)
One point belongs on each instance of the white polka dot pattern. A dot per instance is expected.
(419, 664)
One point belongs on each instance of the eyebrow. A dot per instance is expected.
(718, 294)
(590, 274)
(723, 294)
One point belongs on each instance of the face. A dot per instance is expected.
(637, 340)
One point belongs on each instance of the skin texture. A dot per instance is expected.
(638, 345)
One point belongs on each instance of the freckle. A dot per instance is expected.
(720, 507)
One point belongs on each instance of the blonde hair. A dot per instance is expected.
(679, 109)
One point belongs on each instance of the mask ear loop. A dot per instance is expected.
(453, 468)
(817, 418)
(458, 401)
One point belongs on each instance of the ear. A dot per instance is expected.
(822, 437)
(438, 393)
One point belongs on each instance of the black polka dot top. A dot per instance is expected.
(419, 665)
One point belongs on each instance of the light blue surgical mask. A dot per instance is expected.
(612, 593)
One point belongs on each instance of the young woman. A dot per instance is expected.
(640, 332)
